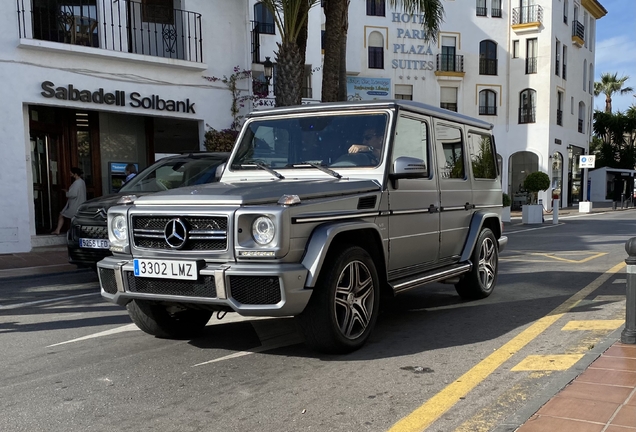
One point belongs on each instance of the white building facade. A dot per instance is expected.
(97, 84)
(527, 66)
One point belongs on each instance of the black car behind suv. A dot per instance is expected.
(87, 240)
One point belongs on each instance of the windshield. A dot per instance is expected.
(332, 140)
(174, 173)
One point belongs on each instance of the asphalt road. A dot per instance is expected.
(73, 362)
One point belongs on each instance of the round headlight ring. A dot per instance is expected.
(263, 230)
(119, 228)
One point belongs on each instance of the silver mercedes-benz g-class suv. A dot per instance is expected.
(322, 210)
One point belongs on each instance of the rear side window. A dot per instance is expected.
(482, 156)
(449, 139)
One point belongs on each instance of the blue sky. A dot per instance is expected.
(616, 49)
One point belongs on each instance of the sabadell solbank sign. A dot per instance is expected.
(117, 98)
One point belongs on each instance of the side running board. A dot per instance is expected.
(428, 277)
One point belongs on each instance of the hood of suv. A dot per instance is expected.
(261, 192)
(97, 208)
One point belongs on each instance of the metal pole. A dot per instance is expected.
(628, 335)
(555, 211)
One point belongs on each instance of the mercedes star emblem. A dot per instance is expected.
(175, 233)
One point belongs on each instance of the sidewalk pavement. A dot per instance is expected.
(40, 261)
(601, 399)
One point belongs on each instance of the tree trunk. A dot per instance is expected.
(608, 104)
(289, 71)
(301, 42)
(342, 76)
(334, 14)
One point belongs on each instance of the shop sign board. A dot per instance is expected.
(361, 88)
(587, 161)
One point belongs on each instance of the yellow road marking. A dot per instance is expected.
(547, 362)
(553, 256)
(610, 298)
(436, 406)
(593, 325)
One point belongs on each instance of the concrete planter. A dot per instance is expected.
(585, 207)
(532, 214)
(505, 214)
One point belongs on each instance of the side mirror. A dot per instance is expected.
(406, 167)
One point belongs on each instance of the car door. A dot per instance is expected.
(456, 196)
(485, 178)
(413, 202)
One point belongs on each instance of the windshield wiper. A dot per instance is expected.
(263, 166)
(317, 166)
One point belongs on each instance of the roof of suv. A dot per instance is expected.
(412, 106)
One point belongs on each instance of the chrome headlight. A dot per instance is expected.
(119, 228)
(263, 230)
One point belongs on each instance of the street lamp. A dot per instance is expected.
(268, 71)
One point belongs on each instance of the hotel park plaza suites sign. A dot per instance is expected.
(116, 98)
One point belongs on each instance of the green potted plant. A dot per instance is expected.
(534, 183)
(505, 212)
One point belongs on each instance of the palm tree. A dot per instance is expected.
(336, 23)
(609, 85)
(290, 17)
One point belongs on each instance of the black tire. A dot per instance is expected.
(481, 280)
(344, 305)
(155, 319)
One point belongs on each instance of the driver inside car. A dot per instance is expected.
(372, 141)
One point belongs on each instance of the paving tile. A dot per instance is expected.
(609, 377)
(553, 424)
(599, 392)
(621, 350)
(579, 409)
(616, 363)
(625, 417)
(619, 429)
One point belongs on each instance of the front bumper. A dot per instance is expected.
(250, 289)
(503, 241)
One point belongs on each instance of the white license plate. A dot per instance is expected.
(165, 269)
(94, 243)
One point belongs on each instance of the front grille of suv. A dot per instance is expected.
(109, 283)
(93, 232)
(203, 287)
(204, 232)
(255, 290)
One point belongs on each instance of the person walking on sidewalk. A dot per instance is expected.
(76, 195)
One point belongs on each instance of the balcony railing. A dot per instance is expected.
(452, 106)
(578, 30)
(487, 110)
(487, 66)
(450, 63)
(527, 14)
(527, 115)
(496, 13)
(531, 65)
(125, 26)
(482, 11)
(560, 117)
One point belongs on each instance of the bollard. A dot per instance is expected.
(628, 335)
(555, 211)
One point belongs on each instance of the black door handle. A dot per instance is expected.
(432, 209)
(469, 206)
